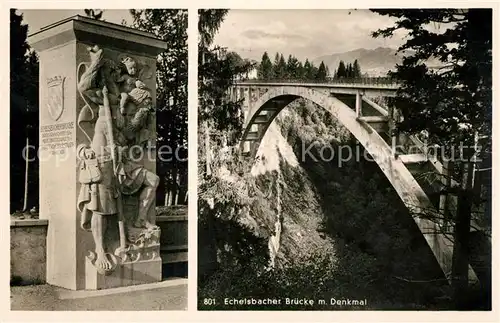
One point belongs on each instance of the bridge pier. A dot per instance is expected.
(393, 133)
(246, 104)
(359, 102)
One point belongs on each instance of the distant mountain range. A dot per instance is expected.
(374, 62)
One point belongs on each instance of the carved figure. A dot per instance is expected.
(99, 196)
(128, 81)
(122, 121)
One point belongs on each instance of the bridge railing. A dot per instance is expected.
(329, 80)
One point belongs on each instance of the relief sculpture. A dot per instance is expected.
(120, 107)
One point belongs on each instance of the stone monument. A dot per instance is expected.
(97, 153)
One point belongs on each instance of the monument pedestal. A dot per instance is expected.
(140, 263)
(74, 92)
(143, 272)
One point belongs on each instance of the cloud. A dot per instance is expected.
(256, 34)
(303, 33)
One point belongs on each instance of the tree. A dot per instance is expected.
(94, 13)
(309, 70)
(209, 22)
(216, 73)
(220, 119)
(265, 70)
(275, 65)
(314, 72)
(341, 70)
(356, 70)
(23, 115)
(237, 62)
(280, 69)
(451, 102)
(292, 67)
(169, 25)
(322, 72)
(350, 72)
(300, 71)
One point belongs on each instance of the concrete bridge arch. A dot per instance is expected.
(267, 104)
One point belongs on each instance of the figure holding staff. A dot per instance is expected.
(107, 173)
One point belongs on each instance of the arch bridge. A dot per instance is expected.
(352, 102)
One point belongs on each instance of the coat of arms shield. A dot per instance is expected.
(55, 97)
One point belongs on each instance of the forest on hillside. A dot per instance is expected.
(294, 69)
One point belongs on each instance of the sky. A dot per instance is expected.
(303, 33)
(38, 18)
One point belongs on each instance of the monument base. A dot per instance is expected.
(141, 272)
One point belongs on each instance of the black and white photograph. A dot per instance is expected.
(345, 159)
(98, 159)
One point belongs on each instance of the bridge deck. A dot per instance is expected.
(384, 90)
(361, 83)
